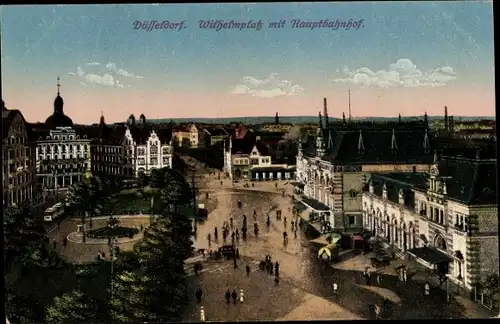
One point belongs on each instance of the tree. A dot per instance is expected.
(157, 178)
(162, 260)
(23, 310)
(176, 191)
(142, 180)
(74, 307)
(24, 234)
(129, 302)
(85, 198)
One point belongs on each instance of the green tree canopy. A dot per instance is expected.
(74, 307)
(23, 234)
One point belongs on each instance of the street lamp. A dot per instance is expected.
(112, 254)
(448, 276)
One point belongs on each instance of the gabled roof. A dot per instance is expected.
(8, 116)
(216, 131)
(262, 148)
(377, 146)
(141, 133)
(472, 181)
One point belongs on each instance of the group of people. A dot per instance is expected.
(234, 295)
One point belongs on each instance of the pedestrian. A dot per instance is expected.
(54, 244)
(276, 185)
(65, 241)
(204, 254)
(202, 314)
(241, 296)
(427, 289)
(237, 253)
(234, 295)
(221, 183)
(99, 256)
(284, 220)
(103, 255)
(335, 288)
(277, 269)
(209, 240)
(231, 222)
(295, 233)
(215, 233)
(198, 294)
(142, 227)
(393, 256)
(377, 311)
(228, 296)
(247, 268)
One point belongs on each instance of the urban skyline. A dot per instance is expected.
(400, 62)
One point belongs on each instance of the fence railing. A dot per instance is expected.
(484, 300)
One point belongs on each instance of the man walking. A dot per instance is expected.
(198, 294)
(234, 295)
(335, 288)
(241, 296)
(248, 270)
(228, 296)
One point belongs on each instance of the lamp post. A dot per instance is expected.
(447, 287)
(112, 254)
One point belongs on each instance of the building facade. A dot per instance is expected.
(334, 165)
(250, 159)
(445, 219)
(147, 148)
(212, 136)
(62, 152)
(186, 136)
(108, 150)
(18, 167)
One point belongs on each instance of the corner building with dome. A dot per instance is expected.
(62, 152)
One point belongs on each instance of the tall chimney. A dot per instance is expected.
(446, 125)
(325, 112)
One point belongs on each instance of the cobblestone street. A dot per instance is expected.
(305, 288)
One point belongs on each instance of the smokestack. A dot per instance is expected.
(349, 104)
(446, 125)
(325, 112)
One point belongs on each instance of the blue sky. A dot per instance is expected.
(39, 42)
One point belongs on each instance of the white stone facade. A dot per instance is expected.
(62, 158)
(152, 154)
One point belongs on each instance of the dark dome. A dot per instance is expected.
(58, 120)
(58, 102)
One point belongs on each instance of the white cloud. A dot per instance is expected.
(270, 87)
(108, 75)
(403, 73)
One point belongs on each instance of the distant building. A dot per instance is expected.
(213, 135)
(18, 164)
(62, 152)
(108, 150)
(249, 158)
(186, 135)
(333, 166)
(445, 219)
(147, 147)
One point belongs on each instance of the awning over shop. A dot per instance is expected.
(316, 205)
(429, 255)
(324, 239)
(297, 184)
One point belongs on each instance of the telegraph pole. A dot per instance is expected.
(194, 190)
